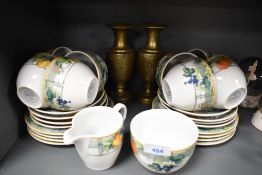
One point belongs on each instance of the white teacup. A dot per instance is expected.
(69, 84)
(231, 87)
(189, 85)
(163, 140)
(29, 80)
(97, 133)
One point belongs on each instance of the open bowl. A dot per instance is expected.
(163, 140)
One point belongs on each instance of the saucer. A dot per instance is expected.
(50, 126)
(217, 125)
(219, 130)
(202, 113)
(52, 122)
(35, 127)
(216, 142)
(46, 135)
(44, 140)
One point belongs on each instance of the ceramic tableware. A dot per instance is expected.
(29, 80)
(204, 125)
(36, 137)
(169, 61)
(217, 135)
(189, 85)
(97, 133)
(46, 135)
(49, 125)
(52, 122)
(200, 53)
(214, 139)
(61, 51)
(49, 112)
(219, 130)
(45, 138)
(211, 112)
(35, 127)
(69, 84)
(94, 62)
(209, 143)
(231, 87)
(163, 140)
(257, 117)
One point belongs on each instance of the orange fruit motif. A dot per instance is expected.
(133, 146)
(117, 140)
(42, 63)
(224, 63)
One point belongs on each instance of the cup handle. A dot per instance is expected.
(121, 108)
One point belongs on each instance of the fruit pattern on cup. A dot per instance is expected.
(220, 62)
(42, 60)
(200, 75)
(161, 163)
(107, 144)
(53, 84)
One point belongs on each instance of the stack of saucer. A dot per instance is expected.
(48, 125)
(215, 126)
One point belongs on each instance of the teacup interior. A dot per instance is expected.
(165, 128)
(96, 122)
(29, 97)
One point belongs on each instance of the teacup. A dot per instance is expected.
(163, 140)
(230, 81)
(69, 84)
(29, 80)
(167, 62)
(189, 85)
(97, 133)
(94, 62)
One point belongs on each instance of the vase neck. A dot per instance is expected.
(120, 39)
(152, 38)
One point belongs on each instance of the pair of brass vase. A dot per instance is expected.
(121, 60)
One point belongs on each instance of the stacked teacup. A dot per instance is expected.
(57, 85)
(208, 90)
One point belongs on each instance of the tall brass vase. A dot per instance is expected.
(148, 58)
(120, 59)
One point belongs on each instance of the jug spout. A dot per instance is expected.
(69, 137)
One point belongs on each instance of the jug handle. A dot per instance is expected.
(121, 108)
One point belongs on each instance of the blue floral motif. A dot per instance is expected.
(62, 103)
(191, 74)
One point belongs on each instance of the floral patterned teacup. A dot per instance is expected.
(189, 85)
(231, 86)
(163, 140)
(69, 84)
(29, 80)
(97, 133)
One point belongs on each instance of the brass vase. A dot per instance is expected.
(148, 58)
(120, 59)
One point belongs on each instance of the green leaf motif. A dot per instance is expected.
(50, 95)
(178, 158)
